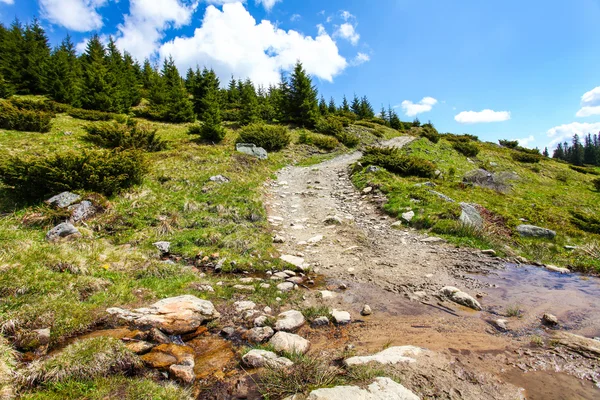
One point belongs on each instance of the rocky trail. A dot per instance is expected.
(409, 281)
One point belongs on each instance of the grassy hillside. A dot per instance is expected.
(548, 194)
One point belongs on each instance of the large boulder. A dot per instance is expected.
(535, 231)
(470, 216)
(175, 315)
(381, 389)
(460, 297)
(391, 355)
(62, 230)
(289, 321)
(63, 199)
(252, 150)
(289, 343)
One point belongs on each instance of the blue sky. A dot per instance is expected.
(513, 69)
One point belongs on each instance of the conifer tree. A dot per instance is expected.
(12, 60)
(35, 57)
(366, 110)
(355, 107)
(190, 80)
(383, 114)
(64, 74)
(323, 106)
(559, 152)
(206, 81)
(233, 94)
(303, 104)
(249, 112)
(546, 153)
(281, 99)
(394, 120)
(332, 108)
(416, 123)
(97, 93)
(177, 106)
(345, 107)
(5, 88)
(130, 81)
(147, 74)
(266, 104)
(211, 129)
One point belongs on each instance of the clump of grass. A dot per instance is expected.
(83, 360)
(7, 366)
(311, 313)
(537, 341)
(514, 311)
(465, 148)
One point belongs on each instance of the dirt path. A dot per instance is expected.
(399, 273)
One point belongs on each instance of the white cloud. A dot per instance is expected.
(526, 141)
(411, 109)
(348, 32)
(565, 132)
(76, 15)
(475, 117)
(590, 103)
(295, 17)
(141, 32)
(360, 58)
(321, 29)
(232, 43)
(7, 1)
(267, 4)
(346, 15)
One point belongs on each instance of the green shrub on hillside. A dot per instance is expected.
(348, 139)
(394, 161)
(329, 125)
(466, 148)
(378, 121)
(13, 118)
(527, 158)
(324, 142)
(584, 170)
(100, 171)
(90, 115)
(125, 136)
(596, 183)
(451, 137)
(586, 222)
(269, 137)
(429, 132)
(535, 151)
(511, 144)
(48, 106)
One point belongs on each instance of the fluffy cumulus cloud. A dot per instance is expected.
(425, 105)
(348, 32)
(360, 58)
(475, 117)
(559, 134)
(590, 103)
(143, 28)
(267, 4)
(76, 15)
(525, 142)
(232, 43)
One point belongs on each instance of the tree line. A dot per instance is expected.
(578, 153)
(105, 79)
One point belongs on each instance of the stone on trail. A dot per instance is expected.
(333, 220)
(489, 252)
(501, 324)
(381, 389)
(341, 317)
(297, 262)
(278, 239)
(62, 230)
(286, 286)
(432, 239)
(392, 355)
(460, 297)
(315, 239)
(289, 321)
(535, 231)
(554, 268)
(260, 358)
(327, 294)
(174, 315)
(289, 342)
(252, 150)
(470, 216)
(366, 310)
(63, 199)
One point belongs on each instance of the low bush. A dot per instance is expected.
(528, 151)
(269, 137)
(511, 144)
(584, 170)
(378, 121)
(429, 132)
(586, 222)
(527, 158)
(13, 118)
(366, 124)
(329, 125)
(466, 148)
(323, 142)
(394, 161)
(596, 183)
(231, 115)
(379, 132)
(125, 136)
(451, 137)
(90, 115)
(348, 139)
(101, 171)
(48, 106)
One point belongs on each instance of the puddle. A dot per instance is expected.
(572, 298)
(553, 386)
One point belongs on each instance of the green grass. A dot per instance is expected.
(547, 194)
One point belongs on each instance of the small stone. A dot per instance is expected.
(228, 331)
(261, 321)
(366, 310)
(326, 294)
(341, 317)
(259, 334)
(156, 335)
(501, 324)
(62, 230)
(184, 373)
(372, 168)
(278, 239)
(245, 288)
(343, 286)
(391, 355)
(267, 310)
(139, 346)
(489, 252)
(241, 306)
(570, 247)
(295, 261)
(549, 319)
(408, 216)
(333, 220)
(82, 211)
(63, 199)
(286, 286)
(163, 247)
(432, 239)
(219, 179)
(554, 268)
(315, 239)
(289, 321)
(260, 358)
(289, 342)
(367, 190)
(320, 321)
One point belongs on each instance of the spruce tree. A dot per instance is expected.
(206, 82)
(281, 98)
(559, 152)
(383, 114)
(190, 80)
(131, 81)
(233, 94)
(546, 153)
(211, 129)
(345, 107)
(394, 120)
(355, 107)
(12, 60)
(147, 74)
(304, 109)
(64, 74)
(576, 156)
(177, 106)
(366, 110)
(36, 57)
(332, 108)
(5, 88)
(97, 93)
(249, 112)
(323, 106)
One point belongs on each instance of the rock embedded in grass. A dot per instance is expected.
(63, 199)
(61, 231)
(163, 247)
(262, 358)
(289, 321)
(535, 231)
(382, 388)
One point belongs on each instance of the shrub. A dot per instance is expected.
(466, 148)
(100, 171)
(378, 121)
(232, 115)
(596, 183)
(527, 158)
(329, 125)
(366, 124)
(429, 132)
(586, 222)
(195, 129)
(48, 106)
(584, 170)
(348, 139)
(323, 142)
(213, 133)
(13, 118)
(511, 144)
(269, 137)
(528, 151)
(460, 138)
(392, 160)
(125, 136)
(90, 115)
(379, 132)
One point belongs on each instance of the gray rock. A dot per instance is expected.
(219, 179)
(367, 190)
(184, 373)
(278, 239)
(289, 342)
(460, 297)
(495, 181)
(245, 288)
(549, 319)
(554, 268)
(441, 196)
(366, 310)
(252, 150)
(260, 334)
(163, 247)
(570, 247)
(470, 216)
(372, 168)
(241, 306)
(261, 321)
(408, 216)
(62, 230)
(489, 252)
(297, 262)
(63, 199)
(501, 324)
(228, 331)
(286, 286)
(535, 231)
(381, 389)
(260, 358)
(333, 220)
(289, 321)
(82, 211)
(432, 239)
(341, 317)
(391, 355)
(42, 336)
(320, 321)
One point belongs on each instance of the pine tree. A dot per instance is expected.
(5, 88)
(36, 57)
(281, 99)
(303, 104)
(131, 75)
(233, 94)
(323, 106)
(12, 61)
(211, 129)
(559, 152)
(576, 156)
(394, 120)
(177, 106)
(416, 123)
(589, 151)
(97, 93)
(345, 107)
(206, 81)
(190, 80)
(331, 107)
(546, 153)
(355, 107)
(64, 74)
(249, 112)
(383, 114)
(366, 110)
(147, 74)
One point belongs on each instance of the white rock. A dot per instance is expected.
(295, 261)
(289, 321)
(260, 358)
(289, 342)
(278, 239)
(315, 239)
(408, 216)
(341, 317)
(554, 268)
(381, 389)
(261, 321)
(326, 294)
(260, 334)
(392, 355)
(460, 297)
(241, 306)
(286, 286)
(366, 310)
